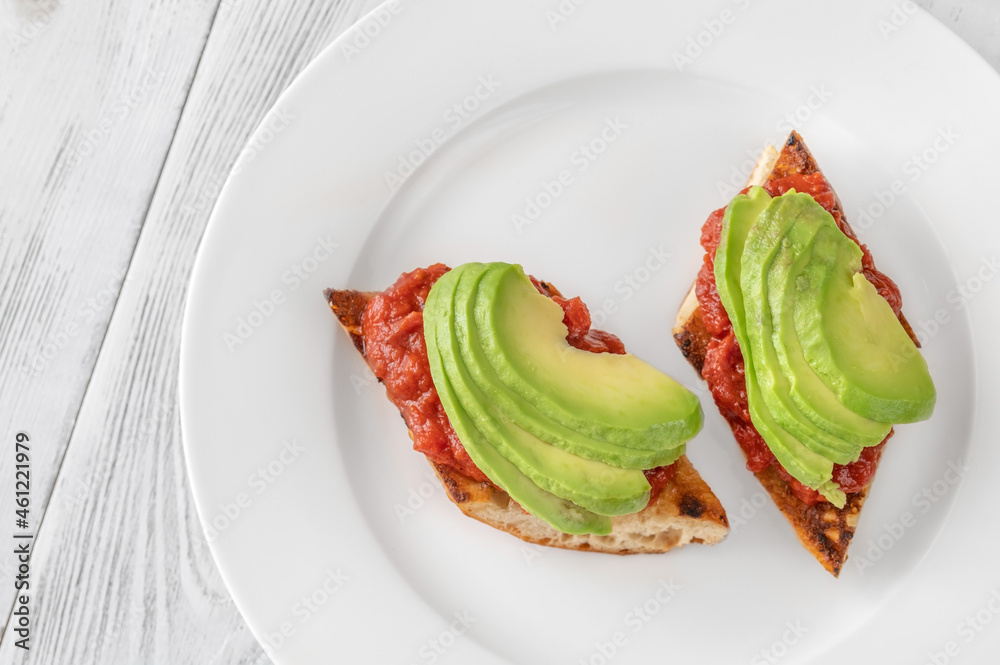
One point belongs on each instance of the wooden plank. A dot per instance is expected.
(121, 571)
(124, 573)
(90, 97)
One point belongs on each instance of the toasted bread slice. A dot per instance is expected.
(686, 511)
(824, 530)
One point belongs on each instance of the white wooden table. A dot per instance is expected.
(119, 120)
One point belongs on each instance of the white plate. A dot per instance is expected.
(311, 535)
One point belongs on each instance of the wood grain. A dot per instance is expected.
(90, 96)
(96, 146)
(123, 570)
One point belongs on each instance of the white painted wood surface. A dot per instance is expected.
(119, 121)
(89, 102)
(122, 570)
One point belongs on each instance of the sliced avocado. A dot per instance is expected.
(768, 236)
(598, 487)
(853, 340)
(529, 418)
(828, 365)
(741, 213)
(614, 398)
(807, 390)
(526, 415)
(808, 467)
(560, 513)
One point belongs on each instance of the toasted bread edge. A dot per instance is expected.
(686, 511)
(824, 530)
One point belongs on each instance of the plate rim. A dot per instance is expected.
(303, 81)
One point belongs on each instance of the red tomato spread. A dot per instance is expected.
(393, 332)
(723, 369)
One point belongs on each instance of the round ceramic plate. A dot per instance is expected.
(588, 142)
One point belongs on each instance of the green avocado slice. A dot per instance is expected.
(828, 366)
(808, 467)
(741, 213)
(807, 390)
(768, 237)
(521, 410)
(619, 399)
(598, 487)
(852, 339)
(560, 513)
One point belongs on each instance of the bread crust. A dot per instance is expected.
(824, 530)
(686, 511)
